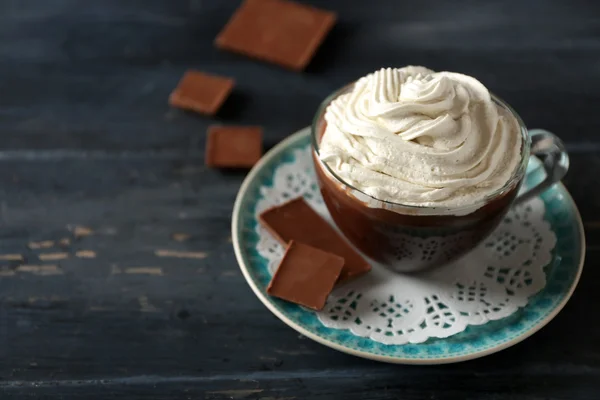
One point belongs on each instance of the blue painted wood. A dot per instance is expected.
(88, 139)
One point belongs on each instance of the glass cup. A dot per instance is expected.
(408, 238)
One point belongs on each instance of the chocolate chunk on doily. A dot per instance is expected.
(306, 275)
(297, 221)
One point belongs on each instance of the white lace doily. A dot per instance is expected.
(489, 283)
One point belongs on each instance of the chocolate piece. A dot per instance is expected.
(296, 220)
(277, 31)
(233, 146)
(305, 275)
(200, 92)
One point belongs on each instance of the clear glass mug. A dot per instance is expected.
(410, 238)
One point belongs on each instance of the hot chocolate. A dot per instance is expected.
(417, 137)
(417, 167)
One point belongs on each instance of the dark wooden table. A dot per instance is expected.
(99, 177)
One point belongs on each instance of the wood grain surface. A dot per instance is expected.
(118, 278)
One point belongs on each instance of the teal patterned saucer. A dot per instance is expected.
(562, 275)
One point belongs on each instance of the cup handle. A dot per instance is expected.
(555, 160)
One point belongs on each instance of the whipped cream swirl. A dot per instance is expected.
(417, 137)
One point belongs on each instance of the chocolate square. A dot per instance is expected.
(305, 276)
(297, 221)
(233, 146)
(278, 31)
(200, 92)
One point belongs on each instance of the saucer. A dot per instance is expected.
(562, 275)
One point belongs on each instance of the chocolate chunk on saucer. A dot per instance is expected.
(277, 31)
(200, 92)
(233, 146)
(306, 275)
(297, 221)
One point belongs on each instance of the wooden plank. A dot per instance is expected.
(377, 383)
(98, 77)
(197, 316)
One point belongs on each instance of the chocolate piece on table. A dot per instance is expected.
(200, 92)
(277, 31)
(306, 275)
(297, 221)
(233, 146)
